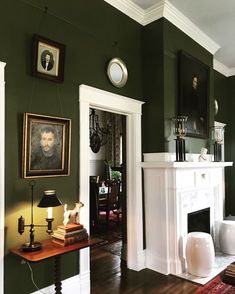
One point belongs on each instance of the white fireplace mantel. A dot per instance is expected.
(185, 164)
(172, 191)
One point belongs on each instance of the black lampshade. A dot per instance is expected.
(49, 199)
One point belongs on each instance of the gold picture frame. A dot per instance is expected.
(46, 146)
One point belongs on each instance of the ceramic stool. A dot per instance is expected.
(227, 237)
(200, 254)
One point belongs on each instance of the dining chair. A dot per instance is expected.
(94, 196)
(112, 200)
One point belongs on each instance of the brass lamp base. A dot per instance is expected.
(30, 247)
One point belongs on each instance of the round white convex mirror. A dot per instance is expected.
(117, 72)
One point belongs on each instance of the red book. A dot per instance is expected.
(70, 227)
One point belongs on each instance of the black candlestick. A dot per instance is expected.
(180, 149)
(217, 152)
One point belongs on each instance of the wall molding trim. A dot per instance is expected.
(165, 9)
(129, 8)
(2, 172)
(220, 67)
(153, 13)
(231, 71)
(189, 28)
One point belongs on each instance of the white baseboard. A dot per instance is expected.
(75, 284)
(139, 263)
(157, 264)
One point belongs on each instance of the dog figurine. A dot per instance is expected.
(73, 213)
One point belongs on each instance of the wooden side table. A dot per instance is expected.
(50, 249)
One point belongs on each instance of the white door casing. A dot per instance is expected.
(99, 99)
(2, 172)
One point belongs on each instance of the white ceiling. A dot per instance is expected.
(213, 20)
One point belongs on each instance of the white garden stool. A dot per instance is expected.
(227, 237)
(200, 254)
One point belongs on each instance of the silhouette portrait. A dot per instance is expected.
(48, 59)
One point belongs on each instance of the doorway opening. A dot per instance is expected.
(107, 160)
(90, 97)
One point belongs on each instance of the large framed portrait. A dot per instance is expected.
(48, 59)
(46, 146)
(194, 94)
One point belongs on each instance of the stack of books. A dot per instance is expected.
(229, 274)
(69, 234)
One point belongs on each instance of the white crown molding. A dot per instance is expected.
(153, 13)
(231, 71)
(223, 69)
(220, 67)
(129, 8)
(189, 28)
(165, 9)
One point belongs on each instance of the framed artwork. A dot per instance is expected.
(48, 59)
(194, 94)
(46, 146)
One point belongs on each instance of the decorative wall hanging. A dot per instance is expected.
(99, 136)
(117, 72)
(193, 94)
(48, 59)
(46, 146)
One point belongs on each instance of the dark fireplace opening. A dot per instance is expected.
(199, 221)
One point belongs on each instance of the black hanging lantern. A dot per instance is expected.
(180, 132)
(217, 136)
(99, 136)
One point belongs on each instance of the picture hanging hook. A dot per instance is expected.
(32, 183)
(115, 44)
(45, 9)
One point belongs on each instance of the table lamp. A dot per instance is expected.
(48, 200)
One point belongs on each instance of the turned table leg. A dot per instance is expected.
(58, 284)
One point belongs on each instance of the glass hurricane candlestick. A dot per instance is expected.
(180, 132)
(217, 136)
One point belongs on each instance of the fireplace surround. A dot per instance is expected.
(173, 190)
(199, 221)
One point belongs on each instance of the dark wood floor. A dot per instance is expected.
(109, 276)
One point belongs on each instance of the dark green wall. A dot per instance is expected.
(174, 41)
(229, 104)
(162, 42)
(88, 29)
(224, 94)
(153, 77)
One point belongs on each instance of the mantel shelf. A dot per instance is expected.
(185, 164)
